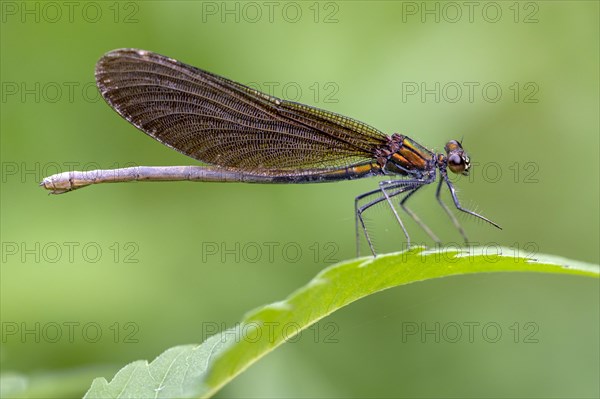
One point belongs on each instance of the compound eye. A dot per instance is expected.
(456, 163)
(452, 145)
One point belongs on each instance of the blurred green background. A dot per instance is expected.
(133, 262)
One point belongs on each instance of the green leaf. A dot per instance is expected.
(200, 371)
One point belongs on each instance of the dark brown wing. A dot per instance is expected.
(221, 122)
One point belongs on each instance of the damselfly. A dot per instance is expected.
(249, 136)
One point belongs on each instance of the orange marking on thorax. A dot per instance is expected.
(414, 158)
